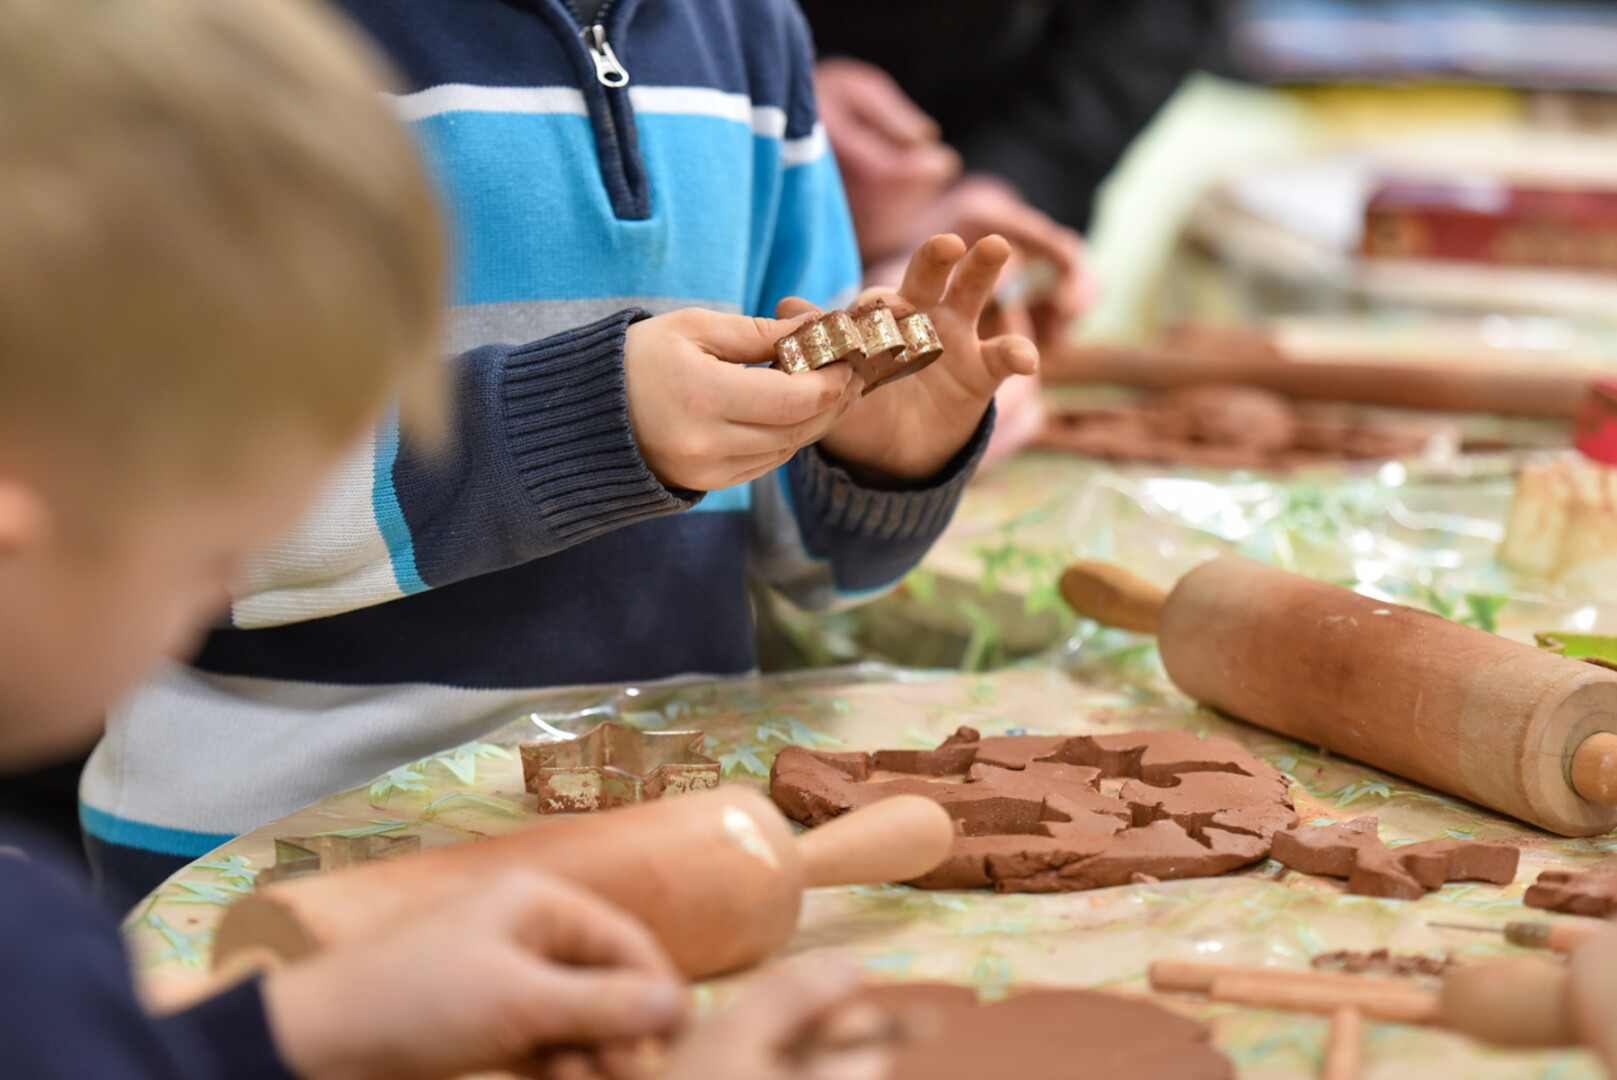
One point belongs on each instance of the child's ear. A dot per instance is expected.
(24, 517)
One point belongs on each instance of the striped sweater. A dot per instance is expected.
(422, 598)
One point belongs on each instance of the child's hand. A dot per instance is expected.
(909, 430)
(481, 983)
(750, 1039)
(704, 421)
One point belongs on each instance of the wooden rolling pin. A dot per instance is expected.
(1505, 725)
(1515, 1001)
(718, 876)
(1548, 391)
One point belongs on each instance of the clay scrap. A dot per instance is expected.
(1352, 850)
(614, 765)
(1045, 1035)
(1576, 892)
(1384, 962)
(1232, 427)
(883, 340)
(1038, 813)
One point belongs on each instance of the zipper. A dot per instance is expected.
(616, 140)
(608, 71)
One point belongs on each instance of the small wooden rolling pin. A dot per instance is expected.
(1518, 1001)
(1505, 725)
(718, 876)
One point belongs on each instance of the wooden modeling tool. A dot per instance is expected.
(717, 876)
(1517, 1001)
(1344, 1048)
(616, 764)
(1561, 937)
(1505, 725)
(1543, 390)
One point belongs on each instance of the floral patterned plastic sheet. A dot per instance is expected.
(1103, 938)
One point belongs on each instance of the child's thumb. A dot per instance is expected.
(584, 1006)
(741, 340)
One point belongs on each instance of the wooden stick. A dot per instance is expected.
(1344, 1051)
(1197, 976)
(1379, 999)
(1545, 390)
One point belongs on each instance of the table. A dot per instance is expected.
(1103, 938)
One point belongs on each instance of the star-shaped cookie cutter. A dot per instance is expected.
(615, 764)
(296, 856)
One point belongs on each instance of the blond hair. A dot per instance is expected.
(210, 229)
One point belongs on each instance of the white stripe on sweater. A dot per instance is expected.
(334, 560)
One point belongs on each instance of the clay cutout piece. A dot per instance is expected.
(1352, 850)
(1044, 1035)
(299, 855)
(1061, 813)
(614, 765)
(1576, 892)
(1383, 962)
(884, 340)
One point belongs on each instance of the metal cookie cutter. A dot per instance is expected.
(883, 340)
(615, 764)
(299, 855)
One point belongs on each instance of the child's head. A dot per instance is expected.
(218, 262)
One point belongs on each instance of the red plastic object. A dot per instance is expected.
(1596, 434)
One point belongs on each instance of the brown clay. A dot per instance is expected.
(1576, 892)
(1228, 427)
(1059, 813)
(1383, 962)
(1045, 1035)
(1352, 850)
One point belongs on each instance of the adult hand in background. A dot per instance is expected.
(894, 163)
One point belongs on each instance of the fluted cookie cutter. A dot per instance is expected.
(884, 340)
(296, 856)
(614, 764)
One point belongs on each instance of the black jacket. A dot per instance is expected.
(1044, 93)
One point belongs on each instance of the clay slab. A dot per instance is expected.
(1059, 813)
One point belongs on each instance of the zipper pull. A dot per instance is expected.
(608, 72)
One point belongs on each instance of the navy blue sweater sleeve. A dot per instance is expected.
(67, 1005)
(544, 458)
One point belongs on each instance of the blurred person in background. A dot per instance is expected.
(973, 117)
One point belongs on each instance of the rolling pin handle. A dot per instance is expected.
(896, 839)
(1113, 596)
(1594, 769)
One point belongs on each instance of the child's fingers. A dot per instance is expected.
(927, 275)
(794, 306)
(776, 399)
(869, 1064)
(739, 340)
(582, 1006)
(774, 1008)
(569, 925)
(972, 285)
(1010, 355)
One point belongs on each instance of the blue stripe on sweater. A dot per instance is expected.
(138, 834)
(389, 514)
(516, 209)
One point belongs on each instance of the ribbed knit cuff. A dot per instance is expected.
(567, 418)
(836, 503)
